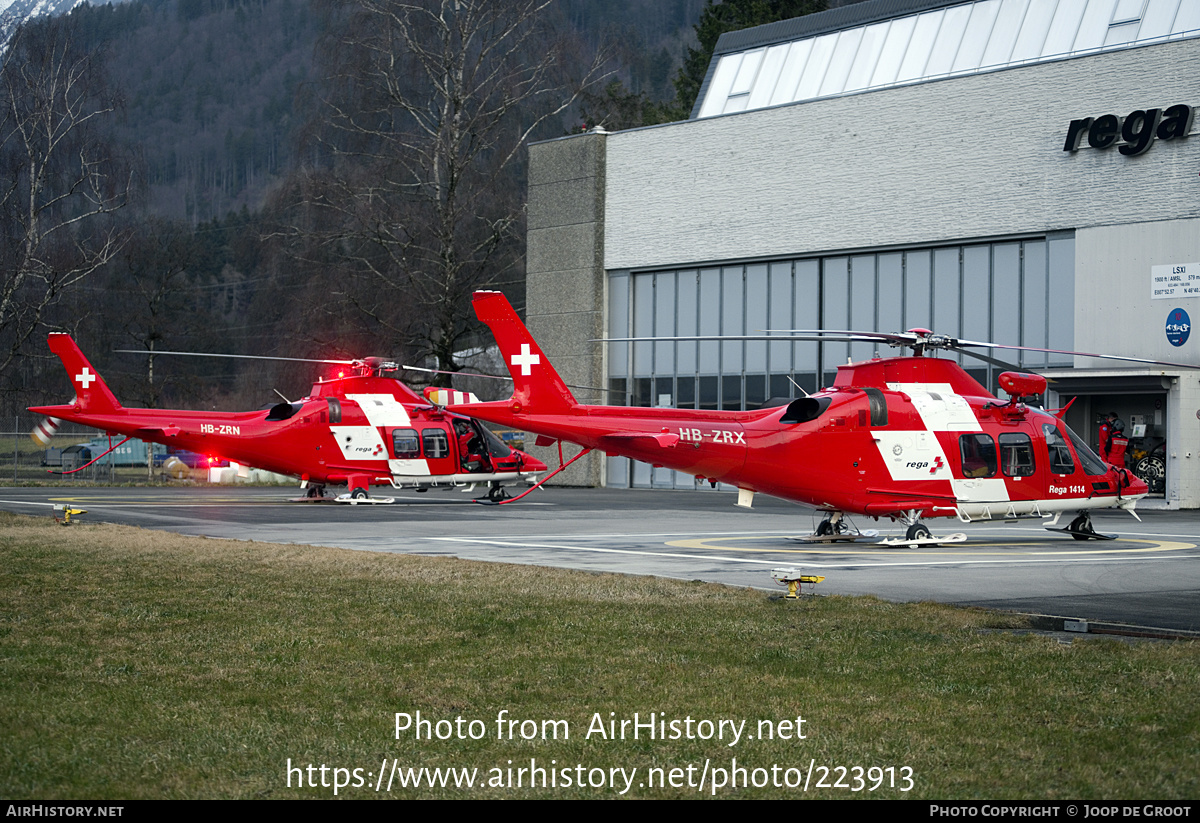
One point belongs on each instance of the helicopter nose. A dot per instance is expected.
(529, 463)
(1130, 484)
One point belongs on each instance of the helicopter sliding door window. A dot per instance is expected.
(978, 455)
(436, 443)
(405, 445)
(1016, 455)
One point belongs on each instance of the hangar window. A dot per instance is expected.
(945, 288)
(811, 57)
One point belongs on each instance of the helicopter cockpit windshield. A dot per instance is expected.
(1092, 464)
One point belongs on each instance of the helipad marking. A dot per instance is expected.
(1065, 558)
(126, 503)
(706, 544)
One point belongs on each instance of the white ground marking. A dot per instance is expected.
(1073, 558)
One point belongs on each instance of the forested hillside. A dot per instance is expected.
(213, 95)
(298, 177)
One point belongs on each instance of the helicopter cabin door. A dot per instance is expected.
(438, 447)
(1018, 464)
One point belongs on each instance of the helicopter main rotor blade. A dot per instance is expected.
(238, 356)
(992, 360)
(460, 373)
(1168, 363)
(773, 336)
(497, 377)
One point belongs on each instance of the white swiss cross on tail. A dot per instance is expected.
(525, 360)
(85, 378)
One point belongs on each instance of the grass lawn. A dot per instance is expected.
(137, 664)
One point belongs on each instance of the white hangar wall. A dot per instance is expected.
(975, 156)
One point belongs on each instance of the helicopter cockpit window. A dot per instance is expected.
(496, 446)
(1092, 464)
(405, 444)
(1016, 455)
(978, 455)
(1061, 461)
(436, 443)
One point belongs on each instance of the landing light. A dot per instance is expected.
(793, 578)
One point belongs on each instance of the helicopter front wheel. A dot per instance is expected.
(835, 523)
(496, 493)
(1081, 527)
(917, 531)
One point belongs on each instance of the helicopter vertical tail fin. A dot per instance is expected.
(91, 392)
(536, 385)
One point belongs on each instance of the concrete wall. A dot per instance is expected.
(1115, 313)
(565, 280)
(964, 157)
(1114, 310)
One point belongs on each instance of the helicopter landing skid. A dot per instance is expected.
(846, 537)
(1081, 528)
(371, 501)
(1083, 534)
(921, 542)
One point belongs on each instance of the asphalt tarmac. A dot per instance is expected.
(1149, 576)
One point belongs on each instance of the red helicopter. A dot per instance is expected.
(360, 429)
(905, 438)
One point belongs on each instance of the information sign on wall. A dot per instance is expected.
(1175, 280)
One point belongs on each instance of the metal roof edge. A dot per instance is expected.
(823, 22)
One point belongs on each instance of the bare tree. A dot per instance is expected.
(429, 106)
(59, 185)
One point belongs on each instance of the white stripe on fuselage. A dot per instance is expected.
(918, 455)
(364, 442)
(409, 468)
(359, 442)
(940, 408)
(912, 455)
(381, 409)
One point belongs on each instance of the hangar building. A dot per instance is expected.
(1015, 171)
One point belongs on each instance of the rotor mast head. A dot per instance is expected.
(925, 339)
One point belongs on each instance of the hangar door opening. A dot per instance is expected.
(1140, 403)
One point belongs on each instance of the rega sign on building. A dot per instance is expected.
(1135, 131)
